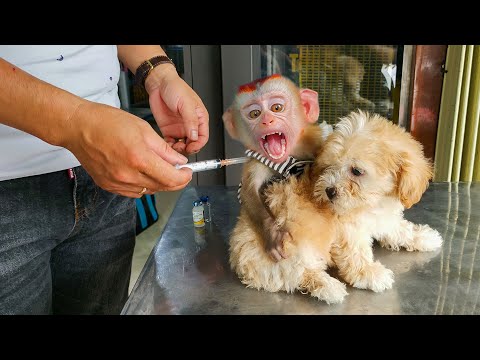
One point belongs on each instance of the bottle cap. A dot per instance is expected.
(204, 198)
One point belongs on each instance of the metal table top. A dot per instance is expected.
(188, 272)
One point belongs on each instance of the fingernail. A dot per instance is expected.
(194, 135)
(182, 158)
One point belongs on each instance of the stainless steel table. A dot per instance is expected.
(188, 273)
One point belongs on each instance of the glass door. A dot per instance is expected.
(346, 78)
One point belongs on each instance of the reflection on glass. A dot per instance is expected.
(346, 77)
(459, 286)
(134, 98)
(175, 52)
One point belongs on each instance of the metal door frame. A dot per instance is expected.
(240, 65)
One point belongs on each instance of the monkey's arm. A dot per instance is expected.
(273, 198)
(271, 228)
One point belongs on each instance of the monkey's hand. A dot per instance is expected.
(273, 197)
(275, 238)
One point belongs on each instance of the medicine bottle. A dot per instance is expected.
(207, 209)
(197, 213)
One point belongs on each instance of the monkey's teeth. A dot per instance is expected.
(264, 137)
(273, 156)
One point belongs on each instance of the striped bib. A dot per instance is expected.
(291, 166)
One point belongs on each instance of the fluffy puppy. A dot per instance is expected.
(369, 171)
(313, 229)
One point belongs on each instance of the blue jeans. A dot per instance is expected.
(66, 245)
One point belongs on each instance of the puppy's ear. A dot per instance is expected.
(414, 174)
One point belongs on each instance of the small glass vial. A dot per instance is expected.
(198, 214)
(207, 209)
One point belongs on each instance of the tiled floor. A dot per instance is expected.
(146, 240)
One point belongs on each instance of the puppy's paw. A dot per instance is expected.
(333, 291)
(425, 238)
(375, 277)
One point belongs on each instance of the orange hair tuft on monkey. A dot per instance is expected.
(252, 86)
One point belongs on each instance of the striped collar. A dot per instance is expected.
(291, 166)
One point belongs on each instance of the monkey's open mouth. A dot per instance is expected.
(274, 144)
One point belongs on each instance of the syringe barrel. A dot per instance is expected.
(202, 165)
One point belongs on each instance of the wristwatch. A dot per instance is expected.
(148, 65)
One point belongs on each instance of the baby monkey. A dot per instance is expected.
(276, 122)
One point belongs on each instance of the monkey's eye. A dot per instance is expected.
(277, 108)
(254, 114)
(356, 171)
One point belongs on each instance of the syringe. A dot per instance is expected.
(212, 164)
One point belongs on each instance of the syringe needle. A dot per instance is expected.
(211, 164)
(232, 161)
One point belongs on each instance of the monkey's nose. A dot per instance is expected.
(267, 120)
(331, 192)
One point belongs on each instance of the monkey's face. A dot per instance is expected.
(268, 115)
(274, 124)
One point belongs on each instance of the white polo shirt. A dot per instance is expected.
(89, 71)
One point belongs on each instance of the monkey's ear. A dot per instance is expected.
(229, 123)
(309, 100)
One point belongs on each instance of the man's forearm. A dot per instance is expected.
(34, 106)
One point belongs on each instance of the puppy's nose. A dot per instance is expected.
(331, 192)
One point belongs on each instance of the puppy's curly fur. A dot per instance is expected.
(367, 173)
(373, 170)
(312, 229)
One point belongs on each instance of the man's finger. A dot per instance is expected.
(166, 152)
(164, 174)
(179, 147)
(196, 146)
(203, 134)
(188, 111)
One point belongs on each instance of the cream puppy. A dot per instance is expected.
(370, 171)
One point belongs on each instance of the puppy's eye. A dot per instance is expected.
(357, 172)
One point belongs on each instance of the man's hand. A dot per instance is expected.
(178, 110)
(122, 153)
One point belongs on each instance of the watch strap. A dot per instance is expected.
(148, 65)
